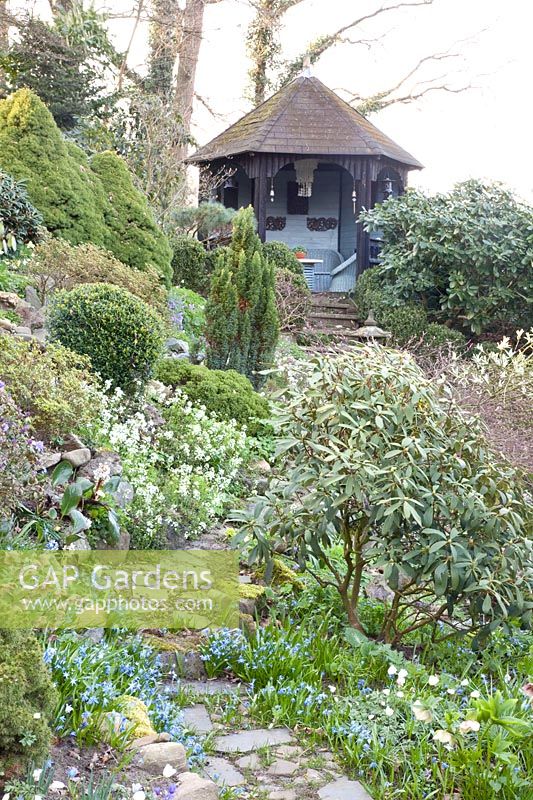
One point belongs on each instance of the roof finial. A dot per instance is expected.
(306, 72)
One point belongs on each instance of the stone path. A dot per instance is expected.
(268, 763)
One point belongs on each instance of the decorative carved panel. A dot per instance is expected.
(275, 223)
(321, 223)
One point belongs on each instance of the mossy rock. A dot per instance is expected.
(282, 575)
(251, 591)
(136, 713)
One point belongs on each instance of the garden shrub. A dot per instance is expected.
(380, 461)
(189, 264)
(19, 221)
(242, 322)
(18, 453)
(27, 700)
(224, 393)
(282, 257)
(54, 386)
(371, 294)
(58, 177)
(121, 335)
(57, 264)
(293, 299)
(465, 255)
(187, 316)
(80, 200)
(411, 327)
(131, 233)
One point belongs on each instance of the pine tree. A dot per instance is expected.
(221, 318)
(249, 339)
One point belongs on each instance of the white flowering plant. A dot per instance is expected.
(182, 462)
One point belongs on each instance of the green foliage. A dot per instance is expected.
(42, 60)
(56, 264)
(19, 220)
(81, 201)
(18, 453)
(410, 326)
(224, 393)
(189, 267)
(372, 294)
(58, 177)
(27, 699)
(120, 334)
(466, 256)
(281, 256)
(54, 386)
(379, 460)
(187, 316)
(242, 321)
(204, 219)
(132, 234)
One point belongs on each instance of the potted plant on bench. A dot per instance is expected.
(300, 252)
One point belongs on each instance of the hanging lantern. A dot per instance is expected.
(272, 192)
(387, 188)
(305, 175)
(354, 199)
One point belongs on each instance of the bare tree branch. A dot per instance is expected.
(124, 65)
(317, 48)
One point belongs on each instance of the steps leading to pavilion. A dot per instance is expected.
(333, 314)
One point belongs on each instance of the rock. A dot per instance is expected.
(177, 346)
(282, 794)
(246, 741)
(39, 334)
(22, 330)
(49, 460)
(6, 325)
(30, 316)
(289, 751)
(153, 415)
(124, 493)
(81, 543)
(245, 578)
(154, 738)
(206, 687)
(94, 634)
(72, 442)
(193, 787)
(262, 466)
(313, 776)
(282, 768)
(32, 298)
(153, 758)
(224, 773)
(249, 762)
(77, 458)
(344, 789)
(197, 719)
(180, 356)
(122, 544)
(105, 463)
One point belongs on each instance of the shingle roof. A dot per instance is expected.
(304, 118)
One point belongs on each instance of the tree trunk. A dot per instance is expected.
(188, 52)
(165, 21)
(4, 40)
(61, 6)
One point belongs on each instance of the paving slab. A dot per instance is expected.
(247, 741)
(205, 687)
(344, 789)
(249, 762)
(197, 718)
(282, 794)
(282, 768)
(223, 772)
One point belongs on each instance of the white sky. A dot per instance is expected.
(485, 132)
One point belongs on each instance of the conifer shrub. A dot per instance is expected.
(121, 335)
(131, 233)
(57, 264)
(80, 200)
(225, 393)
(58, 177)
(189, 264)
(27, 701)
(242, 321)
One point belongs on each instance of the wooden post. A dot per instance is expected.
(260, 202)
(364, 199)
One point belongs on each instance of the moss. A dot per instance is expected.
(136, 712)
(282, 575)
(251, 591)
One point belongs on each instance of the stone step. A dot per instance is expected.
(346, 319)
(338, 332)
